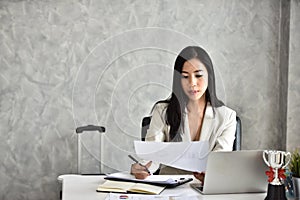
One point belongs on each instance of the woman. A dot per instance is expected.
(193, 112)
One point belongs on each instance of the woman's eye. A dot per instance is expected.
(185, 77)
(198, 75)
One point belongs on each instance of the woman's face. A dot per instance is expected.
(194, 79)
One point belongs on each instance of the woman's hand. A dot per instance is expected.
(140, 171)
(200, 176)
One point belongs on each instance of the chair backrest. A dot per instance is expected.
(238, 133)
(145, 126)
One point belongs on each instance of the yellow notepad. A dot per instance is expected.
(129, 187)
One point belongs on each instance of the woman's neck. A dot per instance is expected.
(196, 106)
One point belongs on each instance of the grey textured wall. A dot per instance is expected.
(293, 125)
(70, 63)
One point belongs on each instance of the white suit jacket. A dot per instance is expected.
(218, 127)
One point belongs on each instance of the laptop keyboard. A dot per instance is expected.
(197, 187)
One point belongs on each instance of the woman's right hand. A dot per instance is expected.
(140, 171)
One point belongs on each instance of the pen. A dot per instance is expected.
(135, 160)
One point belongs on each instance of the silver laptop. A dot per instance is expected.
(234, 172)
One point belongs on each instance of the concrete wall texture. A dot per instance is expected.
(65, 64)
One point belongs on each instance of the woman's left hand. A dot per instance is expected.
(200, 176)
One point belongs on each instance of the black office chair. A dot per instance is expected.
(238, 133)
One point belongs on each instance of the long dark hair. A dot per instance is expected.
(178, 99)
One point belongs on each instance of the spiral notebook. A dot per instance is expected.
(129, 187)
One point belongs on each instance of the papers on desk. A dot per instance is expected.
(190, 156)
(113, 196)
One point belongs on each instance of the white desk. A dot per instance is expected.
(78, 187)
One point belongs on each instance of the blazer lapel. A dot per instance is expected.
(207, 126)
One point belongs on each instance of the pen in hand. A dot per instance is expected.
(136, 161)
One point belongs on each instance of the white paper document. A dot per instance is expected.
(190, 156)
(114, 196)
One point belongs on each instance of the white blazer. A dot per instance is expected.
(218, 127)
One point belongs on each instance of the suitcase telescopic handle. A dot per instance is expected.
(80, 129)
